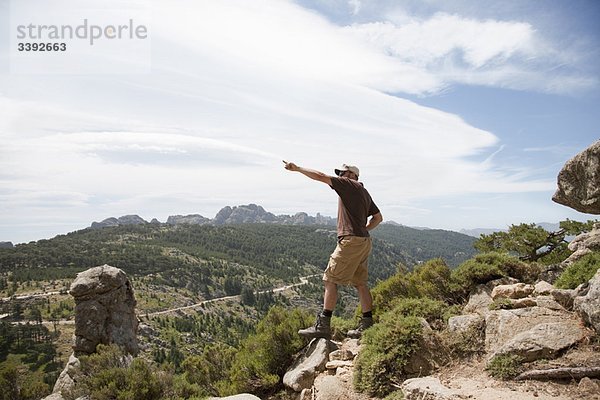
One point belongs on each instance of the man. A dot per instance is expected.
(348, 264)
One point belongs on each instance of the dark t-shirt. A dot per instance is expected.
(354, 207)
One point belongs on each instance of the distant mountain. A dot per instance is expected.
(244, 214)
(6, 245)
(424, 244)
(477, 232)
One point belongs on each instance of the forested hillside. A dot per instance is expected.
(281, 252)
(424, 244)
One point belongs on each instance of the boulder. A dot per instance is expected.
(548, 302)
(523, 303)
(429, 388)
(305, 368)
(533, 332)
(514, 291)
(542, 288)
(336, 387)
(579, 181)
(464, 323)
(479, 301)
(104, 313)
(589, 304)
(481, 297)
(104, 310)
(431, 354)
(341, 355)
(583, 244)
(544, 340)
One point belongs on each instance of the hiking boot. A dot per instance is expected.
(321, 329)
(364, 324)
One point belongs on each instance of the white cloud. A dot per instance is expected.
(454, 49)
(236, 87)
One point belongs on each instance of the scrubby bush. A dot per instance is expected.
(487, 267)
(579, 272)
(387, 348)
(505, 366)
(264, 357)
(433, 311)
(428, 280)
(111, 374)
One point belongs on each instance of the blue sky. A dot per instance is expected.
(460, 114)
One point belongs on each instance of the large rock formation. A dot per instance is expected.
(104, 310)
(307, 366)
(588, 305)
(192, 219)
(583, 244)
(124, 220)
(104, 313)
(579, 181)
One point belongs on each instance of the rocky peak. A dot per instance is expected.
(192, 219)
(579, 181)
(124, 220)
(104, 314)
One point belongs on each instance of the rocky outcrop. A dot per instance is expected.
(583, 244)
(426, 388)
(579, 181)
(301, 375)
(104, 310)
(515, 291)
(589, 305)
(244, 214)
(104, 313)
(124, 220)
(6, 245)
(192, 219)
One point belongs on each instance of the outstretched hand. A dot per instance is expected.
(290, 166)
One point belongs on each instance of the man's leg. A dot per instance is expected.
(330, 296)
(322, 328)
(366, 301)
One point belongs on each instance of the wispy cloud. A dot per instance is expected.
(235, 87)
(453, 49)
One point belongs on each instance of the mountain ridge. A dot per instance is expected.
(249, 213)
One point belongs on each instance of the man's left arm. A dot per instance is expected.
(375, 220)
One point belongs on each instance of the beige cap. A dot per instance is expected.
(346, 167)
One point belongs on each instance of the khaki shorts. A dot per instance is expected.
(348, 264)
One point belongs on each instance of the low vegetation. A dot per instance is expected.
(247, 345)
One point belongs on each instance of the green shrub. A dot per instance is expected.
(487, 267)
(385, 292)
(387, 348)
(207, 369)
(340, 326)
(429, 279)
(505, 366)
(264, 357)
(579, 272)
(396, 395)
(431, 310)
(110, 374)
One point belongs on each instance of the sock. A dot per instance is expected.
(368, 314)
(327, 313)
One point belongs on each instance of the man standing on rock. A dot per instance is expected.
(348, 264)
